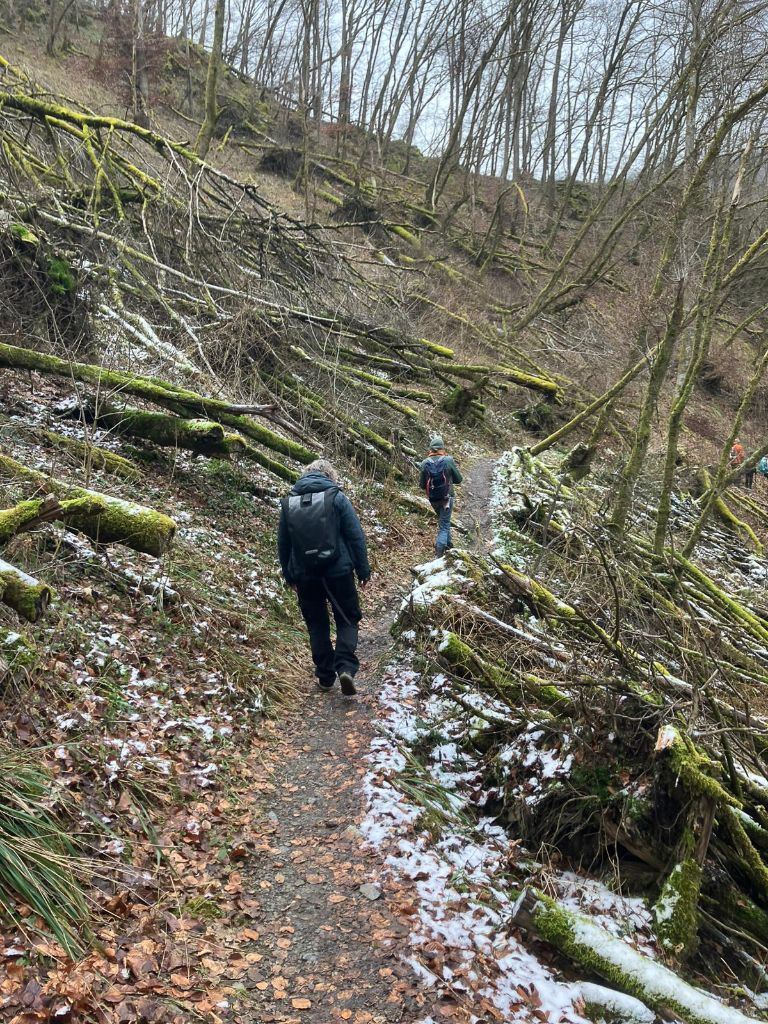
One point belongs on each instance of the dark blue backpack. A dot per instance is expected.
(438, 485)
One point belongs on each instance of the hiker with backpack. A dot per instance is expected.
(439, 473)
(322, 546)
(762, 467)
(737, 458)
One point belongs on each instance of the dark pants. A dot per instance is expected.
(314, 599)
(749, 478)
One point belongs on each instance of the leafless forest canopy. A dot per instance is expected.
(579, 87)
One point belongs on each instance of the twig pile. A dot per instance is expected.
(616, 709)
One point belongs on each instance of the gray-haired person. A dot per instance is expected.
(322, 546)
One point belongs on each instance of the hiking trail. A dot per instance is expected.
(329, 951)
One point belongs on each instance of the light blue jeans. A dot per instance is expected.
(443, 512)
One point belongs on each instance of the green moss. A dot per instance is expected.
(60, 276)
(738, 908)
(465, 661)
(692, 768)
(99, 516)
(14, 519)
(515, 376)
(561, 929)
(22, 233)
(407, 236)
(595, 780)
(202, 908)
(676, 910)
(751, 862)
(111, 520)
(26, 598)
(99, 458)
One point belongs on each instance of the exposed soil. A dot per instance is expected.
(473, 503)
(321, 939)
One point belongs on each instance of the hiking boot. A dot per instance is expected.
(325, 686)
(348, 687)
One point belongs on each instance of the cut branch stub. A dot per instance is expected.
(22, 592)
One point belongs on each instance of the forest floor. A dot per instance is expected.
(332, 927)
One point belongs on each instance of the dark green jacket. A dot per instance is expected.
(454, 476)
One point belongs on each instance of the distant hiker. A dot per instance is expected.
(762, 466)
(737, 458)
(439, 473)
(738, 455)
(321, 545)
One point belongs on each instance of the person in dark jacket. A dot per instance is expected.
(435, 467)
(334, 584)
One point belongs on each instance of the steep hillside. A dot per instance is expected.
(568, 717)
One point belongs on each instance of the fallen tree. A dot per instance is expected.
(184, 403)
(605, 700)
(102, 517)
(595, 949)
(203, 437)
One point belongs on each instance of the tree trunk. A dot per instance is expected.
(101, 517)
(634, 463)
(203, 143)
(140, 80)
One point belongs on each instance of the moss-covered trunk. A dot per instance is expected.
(23, 592)
(101, 517)
(632, 467)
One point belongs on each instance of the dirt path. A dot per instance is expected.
(474, 503)
(329, 952)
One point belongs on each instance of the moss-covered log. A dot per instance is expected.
(508, 373)
(178, 400)
(101, 517)
(585, 942)
(23, 592)
(90, 455)
(464, 661)
(203, 437)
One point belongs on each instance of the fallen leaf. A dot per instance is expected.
(301, 1004)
